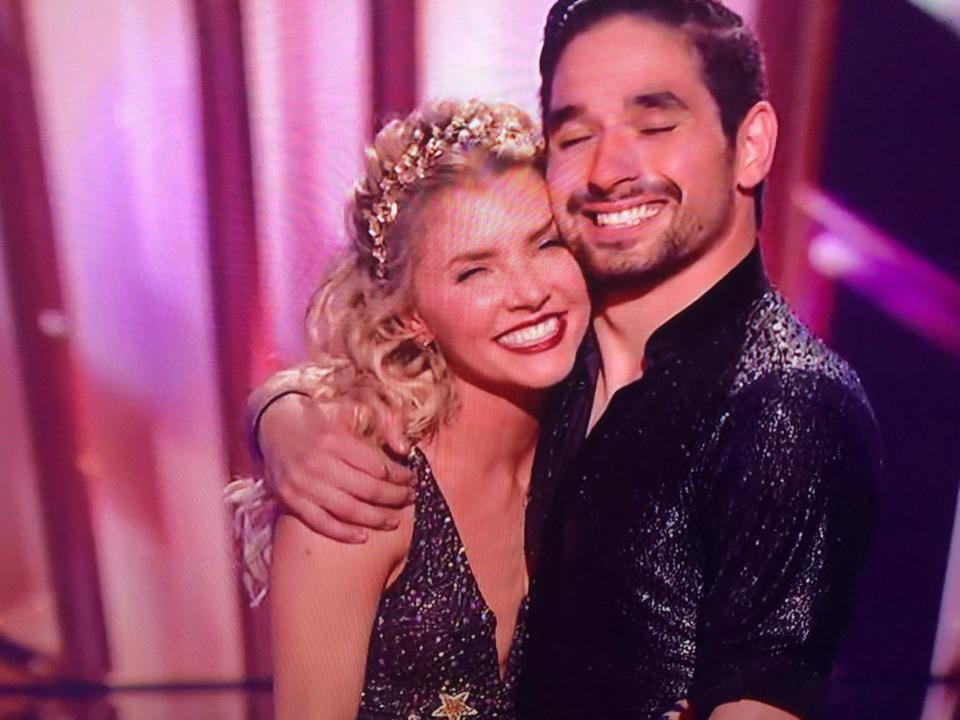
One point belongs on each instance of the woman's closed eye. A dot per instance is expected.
(556, 241)
(469, 273)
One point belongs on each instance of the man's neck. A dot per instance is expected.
(624, 320)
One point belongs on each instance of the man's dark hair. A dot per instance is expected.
(732, 61)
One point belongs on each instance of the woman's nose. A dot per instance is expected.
(528, 290)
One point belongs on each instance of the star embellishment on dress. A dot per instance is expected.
(453, 707)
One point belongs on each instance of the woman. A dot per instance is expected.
(456, 309)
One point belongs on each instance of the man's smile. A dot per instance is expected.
(626, 217)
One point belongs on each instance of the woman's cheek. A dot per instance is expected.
(461, 311)
(571, 279)
(478, 296)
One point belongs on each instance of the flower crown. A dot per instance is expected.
(476, 125)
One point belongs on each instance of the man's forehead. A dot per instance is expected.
(625, 53)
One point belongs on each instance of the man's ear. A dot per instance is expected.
(756, 142)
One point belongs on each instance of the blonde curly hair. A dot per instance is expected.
(362, 346)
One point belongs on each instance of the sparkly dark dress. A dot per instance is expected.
(433, 650)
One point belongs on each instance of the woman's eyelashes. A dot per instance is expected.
(468, 273)
(555, 241)
(473, 271)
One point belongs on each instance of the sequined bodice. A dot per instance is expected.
(433, 648)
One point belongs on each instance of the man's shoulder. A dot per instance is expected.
(781, 355)
(794, 415)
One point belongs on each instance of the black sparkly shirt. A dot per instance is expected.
(704, 540)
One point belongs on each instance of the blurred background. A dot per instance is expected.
(172, 179)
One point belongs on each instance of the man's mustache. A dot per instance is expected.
(640, 188)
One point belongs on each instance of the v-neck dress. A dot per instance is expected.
(433, 651)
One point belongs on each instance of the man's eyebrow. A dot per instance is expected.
(556, 118)
(665, 100)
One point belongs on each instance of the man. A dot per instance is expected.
(702, 496)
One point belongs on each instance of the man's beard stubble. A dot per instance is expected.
(687, 238)
(677, 247)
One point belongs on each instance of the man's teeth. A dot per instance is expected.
(532, 334)
(630, 217)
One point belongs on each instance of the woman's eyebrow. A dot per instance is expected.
(471, 256)
(542, 230)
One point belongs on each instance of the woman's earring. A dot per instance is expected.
(423, 343)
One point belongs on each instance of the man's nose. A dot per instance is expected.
(616, 161)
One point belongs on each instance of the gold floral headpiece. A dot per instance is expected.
(476, 125)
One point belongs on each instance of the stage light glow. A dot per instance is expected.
(833, 257)
(947, 11)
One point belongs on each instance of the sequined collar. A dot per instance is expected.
(720, 307)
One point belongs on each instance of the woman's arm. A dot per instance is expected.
(324, 597)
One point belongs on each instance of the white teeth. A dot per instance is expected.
(630, 217)
(532, 334)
